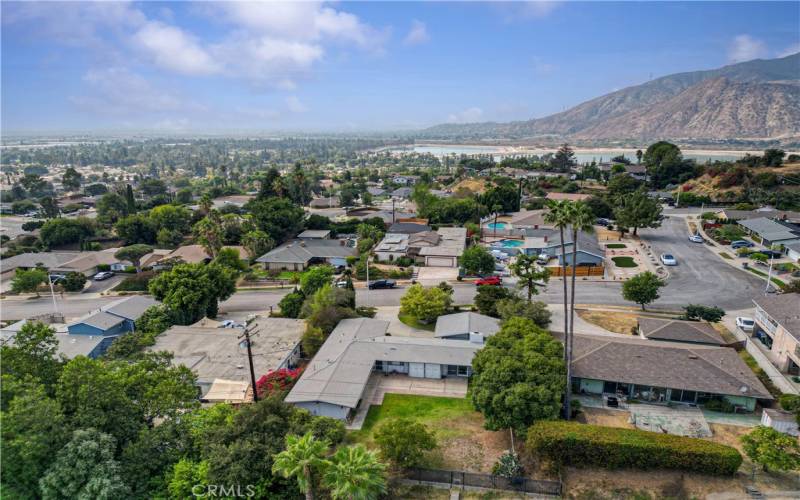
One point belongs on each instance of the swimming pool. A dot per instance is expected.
(509, 243)
(497, 225)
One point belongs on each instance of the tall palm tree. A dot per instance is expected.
(303, 456)
(558, 216)
(581, 218)
(355, 474)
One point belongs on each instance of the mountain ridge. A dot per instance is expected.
(754, 81)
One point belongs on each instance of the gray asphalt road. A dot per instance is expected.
(102, 286)
(700, 276)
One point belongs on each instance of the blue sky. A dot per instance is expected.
(226, 66)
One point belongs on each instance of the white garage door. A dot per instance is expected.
(416, 370)
(433, 370)
(440, 261)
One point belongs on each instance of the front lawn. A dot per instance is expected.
(725, 255)
(616, 245)
(778, 282)
(414, 323)
(624, 261)
(463, 442)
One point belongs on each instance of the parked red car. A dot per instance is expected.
(489, 280)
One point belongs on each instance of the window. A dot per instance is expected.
(463, 371)
(452, 370)
(379, 365)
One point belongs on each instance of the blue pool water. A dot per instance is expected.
(510, 243)
(496, 225)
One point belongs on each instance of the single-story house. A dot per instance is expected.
(329, 202)
(418, 241)
(408, 228)
(403, 192)
(567, 196)
(334, 382)
(590, 253)
(529, 219)
(638, 172)
(660, 372)
(114, 319)
(218, 354)
(392, 246)
(69, 346)
(296, 255)
(315, 234)
(195, 254)
(376, 191)
(770, 232)
(405, 180)
(793, 251)
(30, 260)
(88, 262)
(451, 245)
(466, 326)
(765, 212)
(237, 200)
(691, 332)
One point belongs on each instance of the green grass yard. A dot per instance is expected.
(414, 323)
(616, 245)
(725, 255)
(778, 282)
(624, 261)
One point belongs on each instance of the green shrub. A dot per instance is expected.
(571, 443)
(135, 283)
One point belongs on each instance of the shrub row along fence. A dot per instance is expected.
(571, 443)
(459, 478)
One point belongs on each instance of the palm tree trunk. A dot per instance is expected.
(568, 342)
(566, 310)
(310, 489)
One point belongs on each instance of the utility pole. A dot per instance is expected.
(393, 210)
(246, 334)
(769, 277)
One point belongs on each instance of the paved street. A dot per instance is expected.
(700, 276)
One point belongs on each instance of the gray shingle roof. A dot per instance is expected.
(47, 259)
(339, 372)
(303, 251)
(711, 369)
(101, 320)
(130, 308)
(408, 228)
(680, 331)
(785, 309)
(769, 229)
(465, 323)
(315, 233)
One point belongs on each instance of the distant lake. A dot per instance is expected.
(582, 155)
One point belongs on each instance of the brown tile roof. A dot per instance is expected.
(680, 331)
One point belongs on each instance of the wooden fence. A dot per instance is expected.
(579, 271)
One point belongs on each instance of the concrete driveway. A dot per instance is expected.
(434, 275)
(700, 276)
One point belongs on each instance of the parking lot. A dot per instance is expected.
(700, 276)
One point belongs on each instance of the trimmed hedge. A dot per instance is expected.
(572, 443)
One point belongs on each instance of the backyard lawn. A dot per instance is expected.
(414, 323)
(463, 442)
(616, 245)
(624, 261)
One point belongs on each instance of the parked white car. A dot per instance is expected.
(668, 259)
(103, 275)
(745, 324)
(696, 238)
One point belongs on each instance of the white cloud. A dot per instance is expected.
(173, 49)
(792, 49)
(417, 34)
(117, 91)
(295, 105)
(746, 48)
(539, 8)
(470, 115)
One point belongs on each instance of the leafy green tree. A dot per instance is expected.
(773, 157)
(134, 254)
(291, 304)
(277, 217)
(85, 468)
(137, 228)
(71, 180)
(56, 232)
(791, 403)
(33, 430)
(193, 290)
(148, 460)
(477, 260)
(697, 312)
(315, 278)
(26, 281)
(518, 376)
(111, 207)
(518, 308)
(34, 184)
(184, 196)
(564, 158)
(208, 233)
(530, 274)
(95, 189)
(637, 210)
(50, 209)
(665, 164)
(185, 477)
(73, 282)
(642, 288)
(154, 321)
(302, 459)
(257, 243)
(425, 304)
(404, 442)
(33, 354)
(355, 473)
(487, 298)
(130, 201)
(621, 185)
(327, 307)
(166, 238)
(229, 257)
(171, 217)
(771, 449)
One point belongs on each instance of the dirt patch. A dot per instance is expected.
(728, 434)
(726, 334)
(606, 418)
(474, 185)
(604, 234)
(474, 450)
(613, 321)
